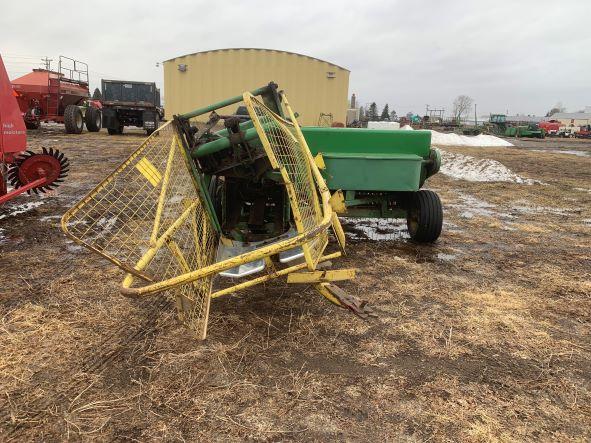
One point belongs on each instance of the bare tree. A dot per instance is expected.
(462, 105)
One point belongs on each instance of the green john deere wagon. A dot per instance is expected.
(379, 174)
(371, 173)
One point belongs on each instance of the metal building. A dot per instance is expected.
(573, 119)
(313, 86)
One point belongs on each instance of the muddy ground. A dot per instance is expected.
(483, 336)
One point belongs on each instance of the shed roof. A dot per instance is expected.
(572, 115)
(258, 49)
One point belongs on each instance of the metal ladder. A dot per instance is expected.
(53, 99)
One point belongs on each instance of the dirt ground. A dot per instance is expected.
(483, 336)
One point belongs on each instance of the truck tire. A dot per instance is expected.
(73, 119)
(156, 124)
(424, 217)
(93, 119)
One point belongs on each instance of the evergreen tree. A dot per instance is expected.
(385, 113)
(97, 94)
(372, 112)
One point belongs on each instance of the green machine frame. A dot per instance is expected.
(374, 173)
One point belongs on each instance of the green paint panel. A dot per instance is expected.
(371, 160)
(367, 141)
(367, 172)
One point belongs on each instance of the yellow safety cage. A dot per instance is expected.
(149, 218)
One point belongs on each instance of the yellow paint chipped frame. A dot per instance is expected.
(325, 218)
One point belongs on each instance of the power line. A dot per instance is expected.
(9, 62)
(5, 54)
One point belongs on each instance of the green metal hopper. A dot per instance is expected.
(379, 174)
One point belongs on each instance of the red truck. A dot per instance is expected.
(551, 127)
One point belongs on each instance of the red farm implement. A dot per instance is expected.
(60, 96)
(25, 170)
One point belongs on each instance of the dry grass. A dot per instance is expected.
(484, 336)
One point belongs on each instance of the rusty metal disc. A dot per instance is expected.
(30, 166)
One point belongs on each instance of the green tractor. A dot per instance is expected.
(497, 124)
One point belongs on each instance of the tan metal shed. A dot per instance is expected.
(313, 86)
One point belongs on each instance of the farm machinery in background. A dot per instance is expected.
(498, 125)
(552, 127)
(25, 170)
(251, 202)
(60, 96)
(583, 132)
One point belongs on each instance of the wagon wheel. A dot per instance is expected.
(425, 216)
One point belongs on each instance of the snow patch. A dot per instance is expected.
(383, 125)
(525, 207)
(49, 217)
(477, 141)
(567, 151)
(471, 206)
(453, 139)
(466, 167)
(73, 247)
(583, 190)
(445, 257)
(21, 209)
(375, 228)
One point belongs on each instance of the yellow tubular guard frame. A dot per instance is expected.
(148, 218)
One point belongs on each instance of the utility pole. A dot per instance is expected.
(47, 62)
(475, 117)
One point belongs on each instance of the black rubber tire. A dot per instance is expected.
(115, 131)
(93, 119)
(425, 216)
(32, 124)
(73, 119)
(156, 124)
